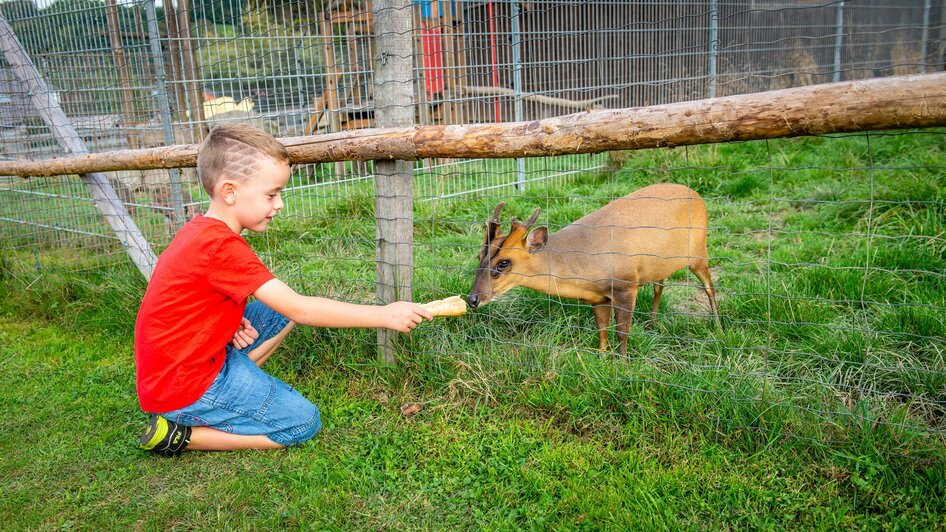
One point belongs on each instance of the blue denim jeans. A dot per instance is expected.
(244, 399)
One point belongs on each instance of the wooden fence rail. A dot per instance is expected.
(886, 103)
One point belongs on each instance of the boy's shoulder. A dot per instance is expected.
(201, 235)
(205, 228)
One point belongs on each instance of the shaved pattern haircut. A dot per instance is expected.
(235, 151)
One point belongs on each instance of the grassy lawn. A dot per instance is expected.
(461, 463)
(822, 405)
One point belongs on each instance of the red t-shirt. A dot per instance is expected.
(190, 312)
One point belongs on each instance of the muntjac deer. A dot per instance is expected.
(604, 257)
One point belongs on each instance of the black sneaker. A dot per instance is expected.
(164, 437)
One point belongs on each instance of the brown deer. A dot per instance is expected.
(604, 257)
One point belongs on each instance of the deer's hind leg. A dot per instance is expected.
(624, 303)
(700, 268)
(658, 291)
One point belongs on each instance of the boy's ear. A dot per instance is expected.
(227, 191)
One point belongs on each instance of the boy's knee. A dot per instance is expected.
(310, 423)
(311, 427)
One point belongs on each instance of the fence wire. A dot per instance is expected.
(829, 270)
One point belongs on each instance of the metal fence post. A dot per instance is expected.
(713, 46)
(394, 187)
(160, 93)
(300, 76)
(924, 40)
(517, 85)
(941, 54)
(838, 41)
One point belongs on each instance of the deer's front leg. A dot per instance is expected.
(603, 320)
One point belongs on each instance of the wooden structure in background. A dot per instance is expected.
(447, 91)
(124, 73)
(184, 69)
(347, 101)
(342, 106)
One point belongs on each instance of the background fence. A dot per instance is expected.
(830, 268)
(135, 75)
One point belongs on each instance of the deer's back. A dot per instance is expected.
(648, 234)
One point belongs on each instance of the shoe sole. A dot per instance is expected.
(156, 431)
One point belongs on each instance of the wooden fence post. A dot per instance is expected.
(394, 192)
(102, 193)
(124, 73)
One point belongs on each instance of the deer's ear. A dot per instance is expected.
(537, 239)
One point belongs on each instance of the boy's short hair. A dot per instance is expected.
(235, 150)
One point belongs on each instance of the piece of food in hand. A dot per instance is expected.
(451, 306)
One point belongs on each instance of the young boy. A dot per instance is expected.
(198, 345)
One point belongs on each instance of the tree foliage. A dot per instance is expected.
(260, 57)
(244, 48)
(217, 11)
(66, 26)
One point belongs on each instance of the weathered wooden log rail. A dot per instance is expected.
(876, 104)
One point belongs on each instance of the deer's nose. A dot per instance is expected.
(473, 300)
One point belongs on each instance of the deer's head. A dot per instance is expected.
(505, 260)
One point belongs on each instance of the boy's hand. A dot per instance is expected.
(403, 316)
(245, 335)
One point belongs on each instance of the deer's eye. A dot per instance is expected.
(501, 266)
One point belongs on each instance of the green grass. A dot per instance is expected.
(552, 453)
(820, 406)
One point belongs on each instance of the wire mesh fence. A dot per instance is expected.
(828, 253)
(831, 308)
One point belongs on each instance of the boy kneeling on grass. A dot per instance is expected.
(198, 345)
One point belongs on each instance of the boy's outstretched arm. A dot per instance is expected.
(400, 316)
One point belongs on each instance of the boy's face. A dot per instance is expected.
(259, 197)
